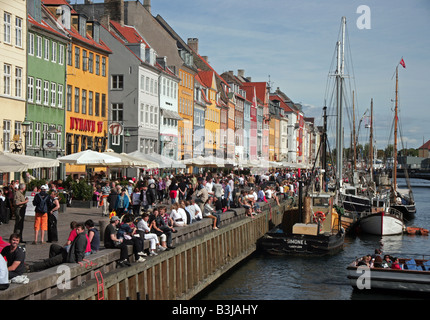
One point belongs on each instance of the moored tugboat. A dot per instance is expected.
(316, 230)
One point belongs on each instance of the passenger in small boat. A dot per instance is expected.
(395, 264)
(386, 263)
(365, 261)
(378, 262)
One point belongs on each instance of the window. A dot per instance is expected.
(54, 52)
(37, 134)
(46, 93)
(117, 82)
(7, 79)
(69, 54)
(31, 44)
(84, 60)
(69, 98)
(61, 54)
(18, 32)
(84, 101)
(164, 86)
(104, 66)
(7, 27)
(117, 112)
(30, 135)
(6, 135)
(103, 105)
(38, 91)
(53, 94)
(59, 135)
(30, 89)
(46, 53)
(97, 105)
(17, 129)
(77, 57)
(76, 99)
(90, 103)
(18, 82)
(142, 113)
(39, 47)
(147, 84)
(60, 96)
(152, 86)
(91, 62)
(97, 64)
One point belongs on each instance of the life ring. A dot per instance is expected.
(319, 216)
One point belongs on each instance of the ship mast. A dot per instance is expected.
(339, 95)
(395, 132)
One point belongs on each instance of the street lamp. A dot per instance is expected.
(127, 136)
(26, 125)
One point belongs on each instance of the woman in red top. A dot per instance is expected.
(395, 264)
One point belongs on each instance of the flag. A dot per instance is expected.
(402, 62)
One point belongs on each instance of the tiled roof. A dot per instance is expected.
(73, 32)
(425, 145)
(44, 25)
(129, 33)
(282, 104)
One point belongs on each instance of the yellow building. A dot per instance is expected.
(185, 110)
(212, 118)
(13, 80)
(87, 85)
(272, 138)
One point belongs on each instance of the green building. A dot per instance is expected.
(46, 84)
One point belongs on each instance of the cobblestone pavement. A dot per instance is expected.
(41, 251)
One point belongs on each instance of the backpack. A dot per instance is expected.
(42, 206)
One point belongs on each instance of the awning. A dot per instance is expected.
(168, 114)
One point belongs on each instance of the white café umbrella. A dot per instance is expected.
(161, 161)
(89, 157)
(128, 161)
(12, 162)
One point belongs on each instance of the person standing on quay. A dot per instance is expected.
(40, 203)
(53, 206)
(20, 203)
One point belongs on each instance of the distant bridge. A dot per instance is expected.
(414, 173)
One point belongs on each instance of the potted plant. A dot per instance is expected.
(82, 194)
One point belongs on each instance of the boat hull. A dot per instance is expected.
(408, 210)
(389, 279)
(277, 242)
(381, 224)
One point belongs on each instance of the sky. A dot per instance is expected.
(291, 43)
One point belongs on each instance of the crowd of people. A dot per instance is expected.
(149, 208)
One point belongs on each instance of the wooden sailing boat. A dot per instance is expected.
(402, 200)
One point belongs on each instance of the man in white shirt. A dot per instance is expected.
(195, 211)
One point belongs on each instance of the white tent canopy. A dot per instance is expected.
(89, 157)
(162, 161)
(12, 162)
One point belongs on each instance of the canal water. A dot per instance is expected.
(266, 277)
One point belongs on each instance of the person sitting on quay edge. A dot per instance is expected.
(15, 256)
(209, 212)
(145, 233)
(58, 254)
(126, 232)
(93, 236)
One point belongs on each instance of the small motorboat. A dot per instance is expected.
(414, 276)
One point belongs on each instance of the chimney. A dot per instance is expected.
(115, 10)
(147, 5)
(193, 43)
(241, 73)
(206, 58)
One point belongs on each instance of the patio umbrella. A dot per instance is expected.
(161, 161)
(12, 162)
(128, 161)
(91, 158)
